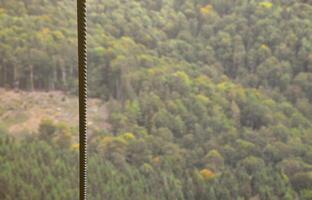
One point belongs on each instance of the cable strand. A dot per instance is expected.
(82, 62)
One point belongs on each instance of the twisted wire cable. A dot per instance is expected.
(82, 62)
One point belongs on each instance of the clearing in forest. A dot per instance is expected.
(22, 112)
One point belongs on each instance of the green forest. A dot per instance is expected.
(208, 99)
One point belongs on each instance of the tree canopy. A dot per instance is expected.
(208, 99)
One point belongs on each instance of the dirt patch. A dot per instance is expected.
(21, 112)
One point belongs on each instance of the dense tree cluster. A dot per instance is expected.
(209, 99)
(37, 44)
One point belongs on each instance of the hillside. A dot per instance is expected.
(205, 99)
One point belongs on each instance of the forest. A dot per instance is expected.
(208, 99)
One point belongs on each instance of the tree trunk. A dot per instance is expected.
(64, 76)
(31, 77)
(3, 76)
(53, 79)
(15, 77)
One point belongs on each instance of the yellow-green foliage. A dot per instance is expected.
(213, 154)
(269, 102)
(106, 140)
(202, 99)
(203, 80)
(264, 46)
(120, 140)
(58, 35)
(206, 10)
(225, 86)
(2, 11)
(243, 144)
(124, 45)
(214, 160)
(183, 77)
(74, 147)
(44, 36)
(156, 71)
(111, 143)
(146, 168)
(133, 108)
(266, 4)
(47, 126)
(207, 174)
(127, 136)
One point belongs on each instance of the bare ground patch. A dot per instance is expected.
(21, 112)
